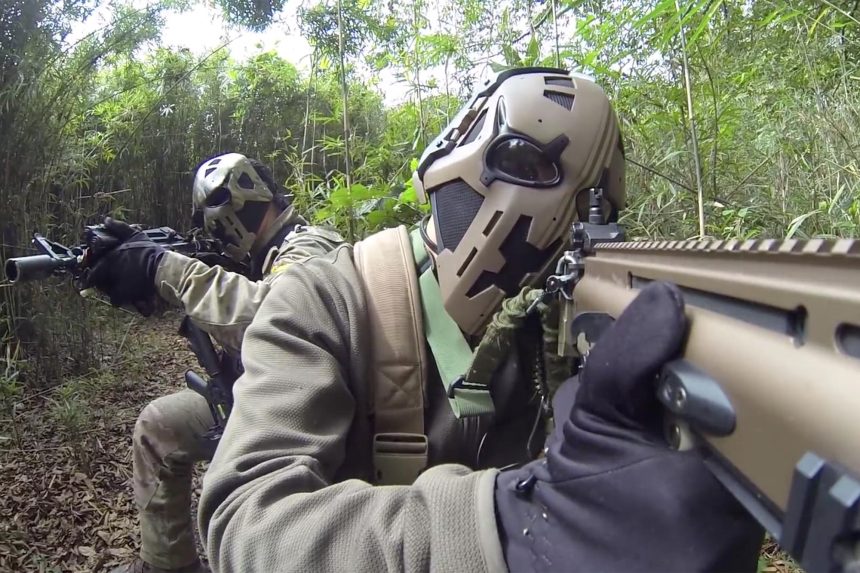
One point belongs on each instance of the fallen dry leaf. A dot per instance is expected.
(55, 514)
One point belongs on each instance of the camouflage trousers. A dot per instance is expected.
(168, 441)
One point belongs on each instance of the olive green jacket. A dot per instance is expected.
(288, 487)
(223, 303)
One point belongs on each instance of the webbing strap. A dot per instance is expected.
(398, 355)
(451, 352)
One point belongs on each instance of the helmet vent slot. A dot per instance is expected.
(564, 100)
(472, 135)
(455, 206)
(521, 259)
(209, 171)
(245, 181)
(491, 225)
(468, 260)
(220, 196)
(564, 82)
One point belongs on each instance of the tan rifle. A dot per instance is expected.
(768, 387)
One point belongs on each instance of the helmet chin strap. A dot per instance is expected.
(427, 228)
(264, 230)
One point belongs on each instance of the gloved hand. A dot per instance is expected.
(610, 494)
(127, 273)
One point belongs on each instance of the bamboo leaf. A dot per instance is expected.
(512, 58)
(706, 21)
(662, 7)
(795, 224)
(532, 52)
(824, 11)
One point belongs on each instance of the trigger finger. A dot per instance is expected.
(648, 333)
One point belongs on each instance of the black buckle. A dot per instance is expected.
(461, 383)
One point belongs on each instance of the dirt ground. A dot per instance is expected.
(65, 464)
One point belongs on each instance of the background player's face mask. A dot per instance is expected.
(233, 201)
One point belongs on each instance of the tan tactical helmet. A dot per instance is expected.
(233, 199)
(507, 178)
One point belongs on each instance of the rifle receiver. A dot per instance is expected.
(767, 387)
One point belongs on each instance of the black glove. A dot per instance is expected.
(610, 494)
(127, 273)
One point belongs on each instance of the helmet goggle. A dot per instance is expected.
(218, 198)
(512, 157)
(519, 159)
(515, 159)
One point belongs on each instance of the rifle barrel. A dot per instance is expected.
(34, 267)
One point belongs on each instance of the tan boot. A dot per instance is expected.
(141, 566)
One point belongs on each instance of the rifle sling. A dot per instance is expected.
(451, 352)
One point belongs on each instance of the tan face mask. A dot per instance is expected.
(503, 181)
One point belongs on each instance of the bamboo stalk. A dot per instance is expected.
(555, 26)
(307, 115)
(345, 92)
(694, 139)
(415, 54)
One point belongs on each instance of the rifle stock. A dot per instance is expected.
(776, 326)
(221, 373)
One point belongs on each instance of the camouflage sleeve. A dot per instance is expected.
(224, 303)
(303, 243)
(218, 301)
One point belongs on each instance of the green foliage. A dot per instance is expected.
(71, 414)
(770, 99)
(319, 24)
(255, 14)
(115, 123)
(68, 410)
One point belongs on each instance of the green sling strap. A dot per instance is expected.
(451, 352)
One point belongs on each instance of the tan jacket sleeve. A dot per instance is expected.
(218, 301)
(268, 502)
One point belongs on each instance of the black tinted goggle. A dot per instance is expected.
(515, 159)
(518, 159)
(218, 197)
